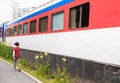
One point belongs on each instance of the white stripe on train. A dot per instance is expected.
(102, 45)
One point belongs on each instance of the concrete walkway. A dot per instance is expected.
(9, 75)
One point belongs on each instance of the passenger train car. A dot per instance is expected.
(85, 29)
(80, 29)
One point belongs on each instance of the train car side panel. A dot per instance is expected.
(99, 38)
(93, 45)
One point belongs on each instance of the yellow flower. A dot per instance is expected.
(46, 54)
(41, 57)
(64, 59)
(36, 57)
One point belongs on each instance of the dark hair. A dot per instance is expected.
(16, 43)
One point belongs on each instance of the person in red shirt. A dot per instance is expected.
(17, 55)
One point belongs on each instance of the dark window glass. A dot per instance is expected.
(19, 29)
(33, 26)
(15, 30)
(11, 31)
(43, 24)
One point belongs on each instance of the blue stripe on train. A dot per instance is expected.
(63, 2)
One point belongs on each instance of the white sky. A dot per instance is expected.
(7, 5)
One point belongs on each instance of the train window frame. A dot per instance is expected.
(52, 25)
(79, 16)
(43, 24)
(11, 32)
(19, 29)
(15, 30)
(33, 25)
(25, 30)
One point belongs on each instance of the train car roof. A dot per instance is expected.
(42, 9)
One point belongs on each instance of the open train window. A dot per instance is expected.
(43, 24)
(79, 16)
(19, 29)
(25, 28)
(15, 30)
(58, 21)
(33, 26)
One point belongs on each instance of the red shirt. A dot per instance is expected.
(17, 52)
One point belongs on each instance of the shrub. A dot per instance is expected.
(44, 69)
(62, 76)
(5, 51)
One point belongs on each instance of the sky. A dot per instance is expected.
(6, 7)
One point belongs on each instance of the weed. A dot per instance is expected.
(62, 76)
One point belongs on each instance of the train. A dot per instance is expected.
(85, 30)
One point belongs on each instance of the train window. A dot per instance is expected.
(79, 16)
(33, 26)
(15, 30)
(43, 24)
(25, 28)
(19, 29)
(11, 31)
(7, 32)
(58, 21)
